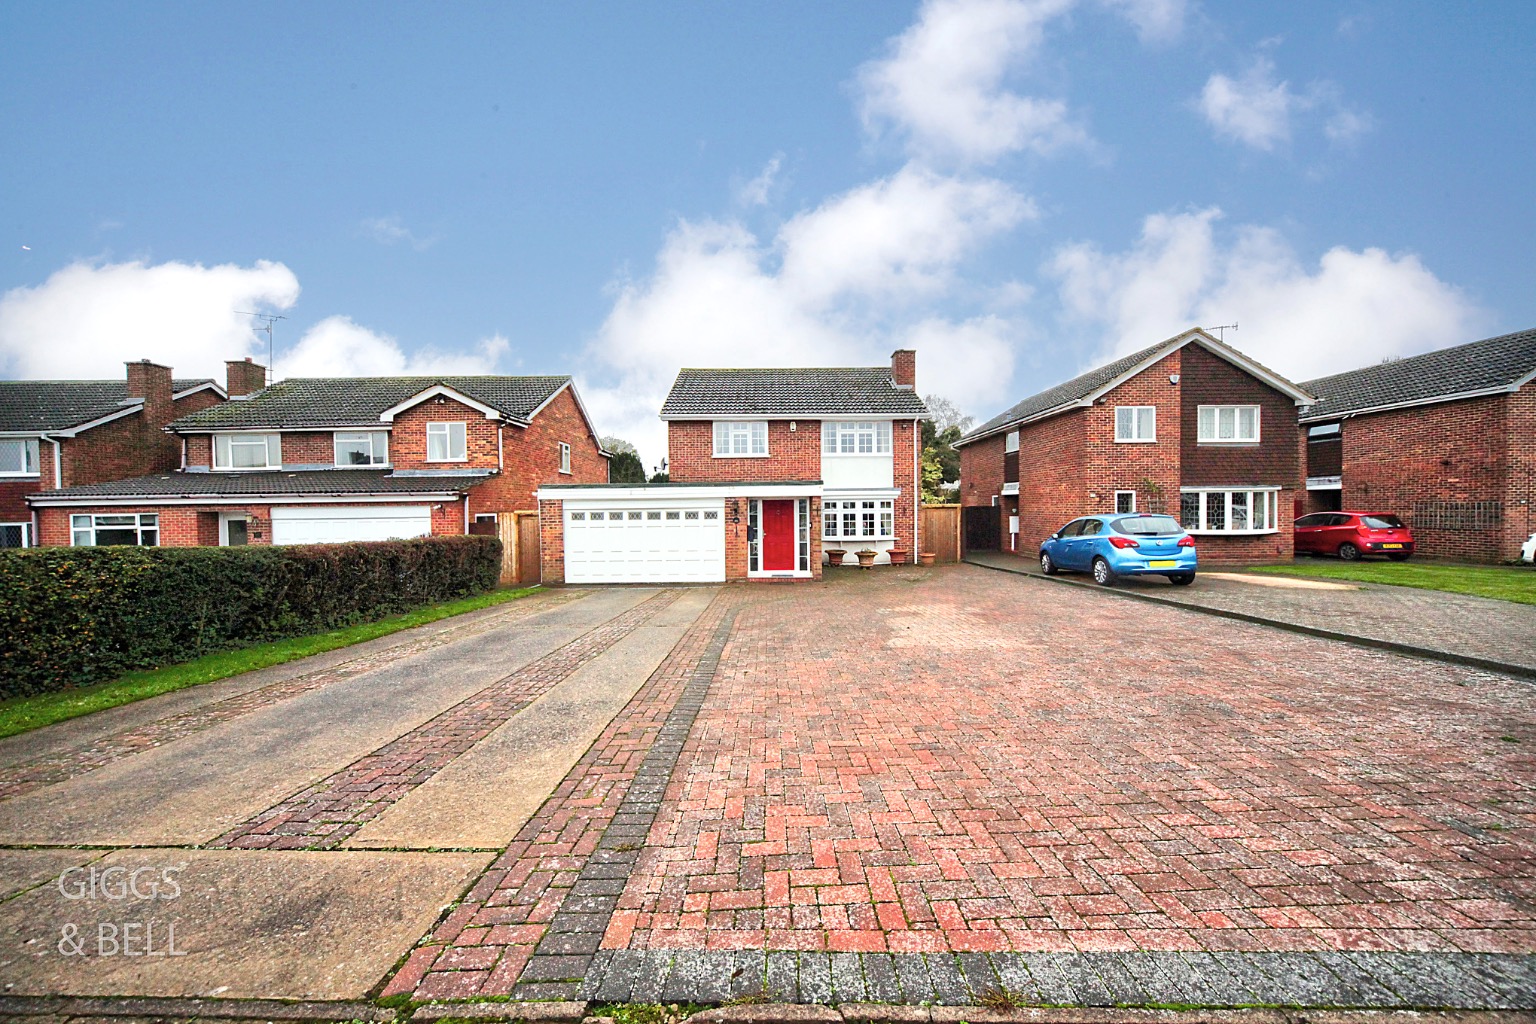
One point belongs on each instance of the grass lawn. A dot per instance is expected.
(1504, 583)
(23, 713)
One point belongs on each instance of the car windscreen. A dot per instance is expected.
(1382, 522)
(1148, 526)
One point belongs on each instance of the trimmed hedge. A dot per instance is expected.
(72, 616)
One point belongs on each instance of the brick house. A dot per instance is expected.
(1446, 440)
(767, 468)
(56, 434)
(323, 460)
(1189, 427)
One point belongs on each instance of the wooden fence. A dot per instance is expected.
(519, 533)
(941, 532)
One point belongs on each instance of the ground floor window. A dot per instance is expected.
(15, 535)
(1223, 511)
(142, 529)
(1125, 501)
(859, 519)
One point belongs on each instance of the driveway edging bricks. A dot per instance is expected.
(1392, 646)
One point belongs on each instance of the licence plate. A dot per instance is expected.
(1391, 545)
(1162, 565)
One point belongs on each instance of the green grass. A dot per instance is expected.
(22, 714)
(1503, 583)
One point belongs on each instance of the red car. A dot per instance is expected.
(1352, 534)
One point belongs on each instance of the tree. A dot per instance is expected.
(625, 467)
(947, 414)
(939, 435)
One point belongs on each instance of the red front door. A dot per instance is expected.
(779, 536)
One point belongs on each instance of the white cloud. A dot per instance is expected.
(1352, 309)
(1156, 21)
(757, 191)
(941, 86)
(339, 347)
(391, 230)
(1255, 109)
(86, 319)
(1345, 125)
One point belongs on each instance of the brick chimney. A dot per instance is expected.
(244, 377)
(904, 368)
(151, 382)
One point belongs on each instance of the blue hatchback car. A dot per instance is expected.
(1122, 544)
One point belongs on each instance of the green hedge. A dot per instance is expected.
(72, 616)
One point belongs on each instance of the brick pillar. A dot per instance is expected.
(904, 368)
(151, 382)
(552, 542)
(244, 377)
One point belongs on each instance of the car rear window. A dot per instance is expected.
(1148, 526)
(1382, 522)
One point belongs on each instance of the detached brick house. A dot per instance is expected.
(768, 468)
(341, 459)
(1446, 440)
(56, 434)
(1189, 427)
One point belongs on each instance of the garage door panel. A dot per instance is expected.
(332, 524)
(655, 543)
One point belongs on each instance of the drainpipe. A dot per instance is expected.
(58, 465)
(500, 462)
(917, 484)
(183, 454)
(466, 513)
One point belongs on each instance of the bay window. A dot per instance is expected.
(18, 456)
(1242, 510)
(446, 441)
(135, 529)
(247, 451)
(362, 448)
(868, 438)
(745, 438)
(858, 519)
(1227, 424)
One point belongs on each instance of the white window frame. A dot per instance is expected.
(29, 457)
(224, 451)
(741, 439)
(1011, 442)
(839, 515)
(87, 525)
(565, 458)
(1123, 511)
(1216, 412)
(856, 437)
(373, 438)
(1325, 431)
(26, 533)
(1137, 422)
(1225, 496)
(445, 429)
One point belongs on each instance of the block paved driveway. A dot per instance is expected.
(902, 786)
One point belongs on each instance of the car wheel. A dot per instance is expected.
(1046, 565)
(1182, 579)
(1103, 575)
(1349, 552)
(1400, 556)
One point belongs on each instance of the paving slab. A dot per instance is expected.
(21, 870)
(228, 923)
(483, 798)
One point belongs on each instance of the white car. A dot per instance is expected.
(1528, 549)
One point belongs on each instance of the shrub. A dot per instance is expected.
(72, 616)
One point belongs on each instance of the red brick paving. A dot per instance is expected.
(956, 760)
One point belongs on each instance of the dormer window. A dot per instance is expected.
(446, 442)
(746, 438)
(18, 456)
(247, 451)
(362, 448)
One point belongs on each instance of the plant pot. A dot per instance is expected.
(835, 555)
(925, 557)
(899, 556)
(866, 558)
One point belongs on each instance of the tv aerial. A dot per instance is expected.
(268, 319)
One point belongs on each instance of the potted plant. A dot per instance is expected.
(925, 557)
(835, 555)
(866, 557)
(899, 554)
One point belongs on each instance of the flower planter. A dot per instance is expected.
(835, 556)
(866, 558)
(899, 556)
(925, 557)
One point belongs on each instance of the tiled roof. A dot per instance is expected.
(807, 392)
(321, 402)
(1435, 376)
(1074, 390)
(312, 482)
(42, 405)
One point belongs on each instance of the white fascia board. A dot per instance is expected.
(668, 492)
(750, 417)
(10, 434)
(108, 418)
(844, 493)
(444, 391)
(207, 386)
(1436, 400)
(406, 498)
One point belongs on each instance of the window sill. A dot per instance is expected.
(565, 472)
(353, 465)
(1135, 440)
(854, 455)
(733, 455)
(1227, 444)
(447, 461)
(1230, 533)
(247, 469)
(21, 476)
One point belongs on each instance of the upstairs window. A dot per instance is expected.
(362, 448)
(1135, 423)
(446, 442)
(1011, 442)
(18, 456)
(247, 451)
(745, 438)
(1325, 432)
(565, 457)
(871, 438)
(1228, 424)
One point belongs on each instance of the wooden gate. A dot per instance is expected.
(519, 532)
(983, 524)
(941, 532)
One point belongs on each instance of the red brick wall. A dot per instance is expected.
(552, 542)
(532, 458)
(408, 441)
(1208, 380)
(1449, 452)
(981, 471)
(1052, 474)
(1325, 458)
(198, 525)
(1151, 470)
(196, 402)
(1520, 505)
(792, 455)
(905, 437)
(309, 447)
(200, 450)
(737, 552)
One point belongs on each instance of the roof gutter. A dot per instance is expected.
(326, 497)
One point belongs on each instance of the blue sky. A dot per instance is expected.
(1018, 188)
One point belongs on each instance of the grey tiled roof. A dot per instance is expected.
(41, 405)
(354, 401)
(807, 392)
(279, 483)
(1478, 366)
(1073, 390)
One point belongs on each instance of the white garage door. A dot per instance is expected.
(672, 541)
(321, 524)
